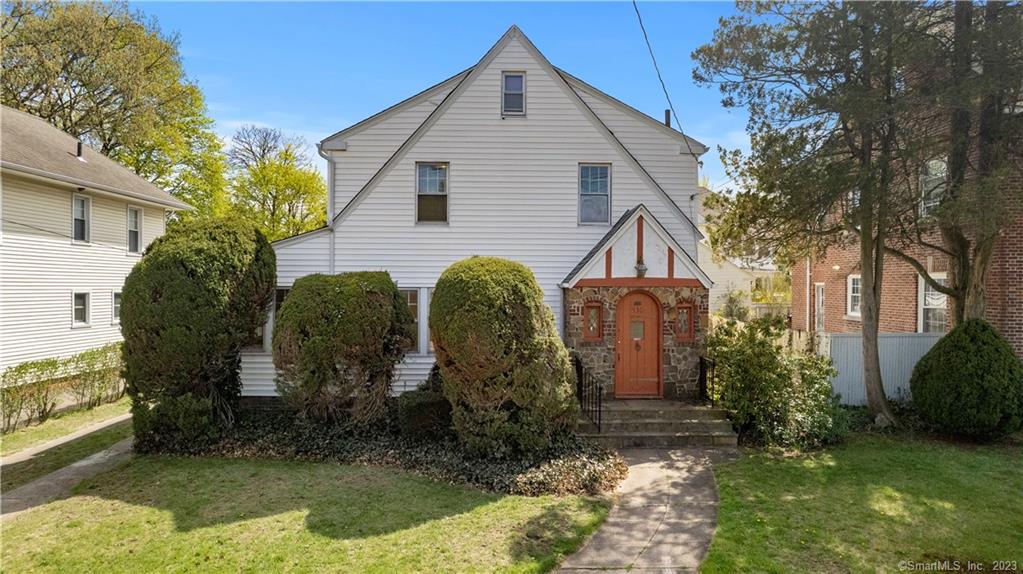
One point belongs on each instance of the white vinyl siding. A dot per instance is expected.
(853, 295)
(932, 306)
(41, 268)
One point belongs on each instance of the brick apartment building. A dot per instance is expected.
(827, 300)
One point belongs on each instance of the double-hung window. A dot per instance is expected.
(854, 295)
(412, 298)
(595, 193)
(932, 310)
(134, 230)
(116, 307)
(431, 192)
(933, 183)
(80, 309)
(80, 208)
(513, 93)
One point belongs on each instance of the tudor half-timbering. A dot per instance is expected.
(515, 158)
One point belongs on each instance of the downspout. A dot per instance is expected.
(808, 294)
(330, 203)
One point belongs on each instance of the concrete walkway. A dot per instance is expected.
(665, 516)
(23, 455)
(60, 482)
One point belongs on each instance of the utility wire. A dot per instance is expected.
(121, 248)
(657, 69)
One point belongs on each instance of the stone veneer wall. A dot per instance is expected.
(681, 358)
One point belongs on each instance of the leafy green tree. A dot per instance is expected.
(106, 75)
(275, 185)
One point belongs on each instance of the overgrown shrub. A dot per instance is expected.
(774, 396)
(570, 465)
(337, 339)
(181, 424)
(425, 412)
(97, 375)
(506, 371)
(970, 383)
(189, 306)
(30, 391)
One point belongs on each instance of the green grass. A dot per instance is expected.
(868, 504)
(43, 463)
(220, 515)
(60, 425)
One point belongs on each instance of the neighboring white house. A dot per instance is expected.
(518, 159)
(74, 222)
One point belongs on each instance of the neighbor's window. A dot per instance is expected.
(80, 309)
(933, 183)
(116, 306)
(594, 193)
(80, 207)
(134, 230)
(432, 192)
(593, 320)
(933, 311)
(513, 93)
(412, 298)
(685, 323)
(854, 294)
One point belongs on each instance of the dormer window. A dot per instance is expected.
(513, 94)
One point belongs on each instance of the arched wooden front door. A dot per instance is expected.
(638, 347)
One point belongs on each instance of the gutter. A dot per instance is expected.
(90, 185)
(330, 202)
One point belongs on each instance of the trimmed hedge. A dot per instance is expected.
(337, 339)
(970, 383)
(188, 308)
(506, 371)
(570, 465)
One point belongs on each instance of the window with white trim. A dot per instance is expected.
(932, 305)
(854, 295)
(134, 230)
(933, 183)
(412, 298)
(80, 309)
(115, 307)
(431, 192)
(594, 193)
(513, 93)
(81, 206)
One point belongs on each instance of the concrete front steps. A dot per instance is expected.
(660, 423)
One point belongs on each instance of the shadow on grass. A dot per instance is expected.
(556, 532)
(339, 501)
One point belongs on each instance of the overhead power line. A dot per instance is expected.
(660, 78)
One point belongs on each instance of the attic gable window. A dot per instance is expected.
(431, 193)
(513, 94)
(595, 193)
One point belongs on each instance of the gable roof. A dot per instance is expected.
(468, 78)
(34, 147)
(624, 222)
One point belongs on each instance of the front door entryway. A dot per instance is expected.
(638, 347)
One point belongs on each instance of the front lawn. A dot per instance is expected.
(867, 505)
(19, 473)
(211, 514)
(60, 425)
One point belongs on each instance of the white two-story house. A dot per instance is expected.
(517, 159)
(73, 223)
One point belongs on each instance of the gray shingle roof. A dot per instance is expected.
(31, 145)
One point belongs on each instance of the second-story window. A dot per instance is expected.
(513, 93)
(594, 193)
(134, 230)
(431, 192)
(933, 182)
(80, 207)
(854, 295)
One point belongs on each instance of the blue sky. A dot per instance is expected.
(314, 68)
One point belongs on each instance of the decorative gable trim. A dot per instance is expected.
(602, 254)
(473, 73)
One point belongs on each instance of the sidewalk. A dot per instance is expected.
(664, 519)
(30, 452)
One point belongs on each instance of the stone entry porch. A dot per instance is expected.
(660, 424)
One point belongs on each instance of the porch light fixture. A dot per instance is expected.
(640, 269)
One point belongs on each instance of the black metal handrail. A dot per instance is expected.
(708, 392)
(589, 392)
